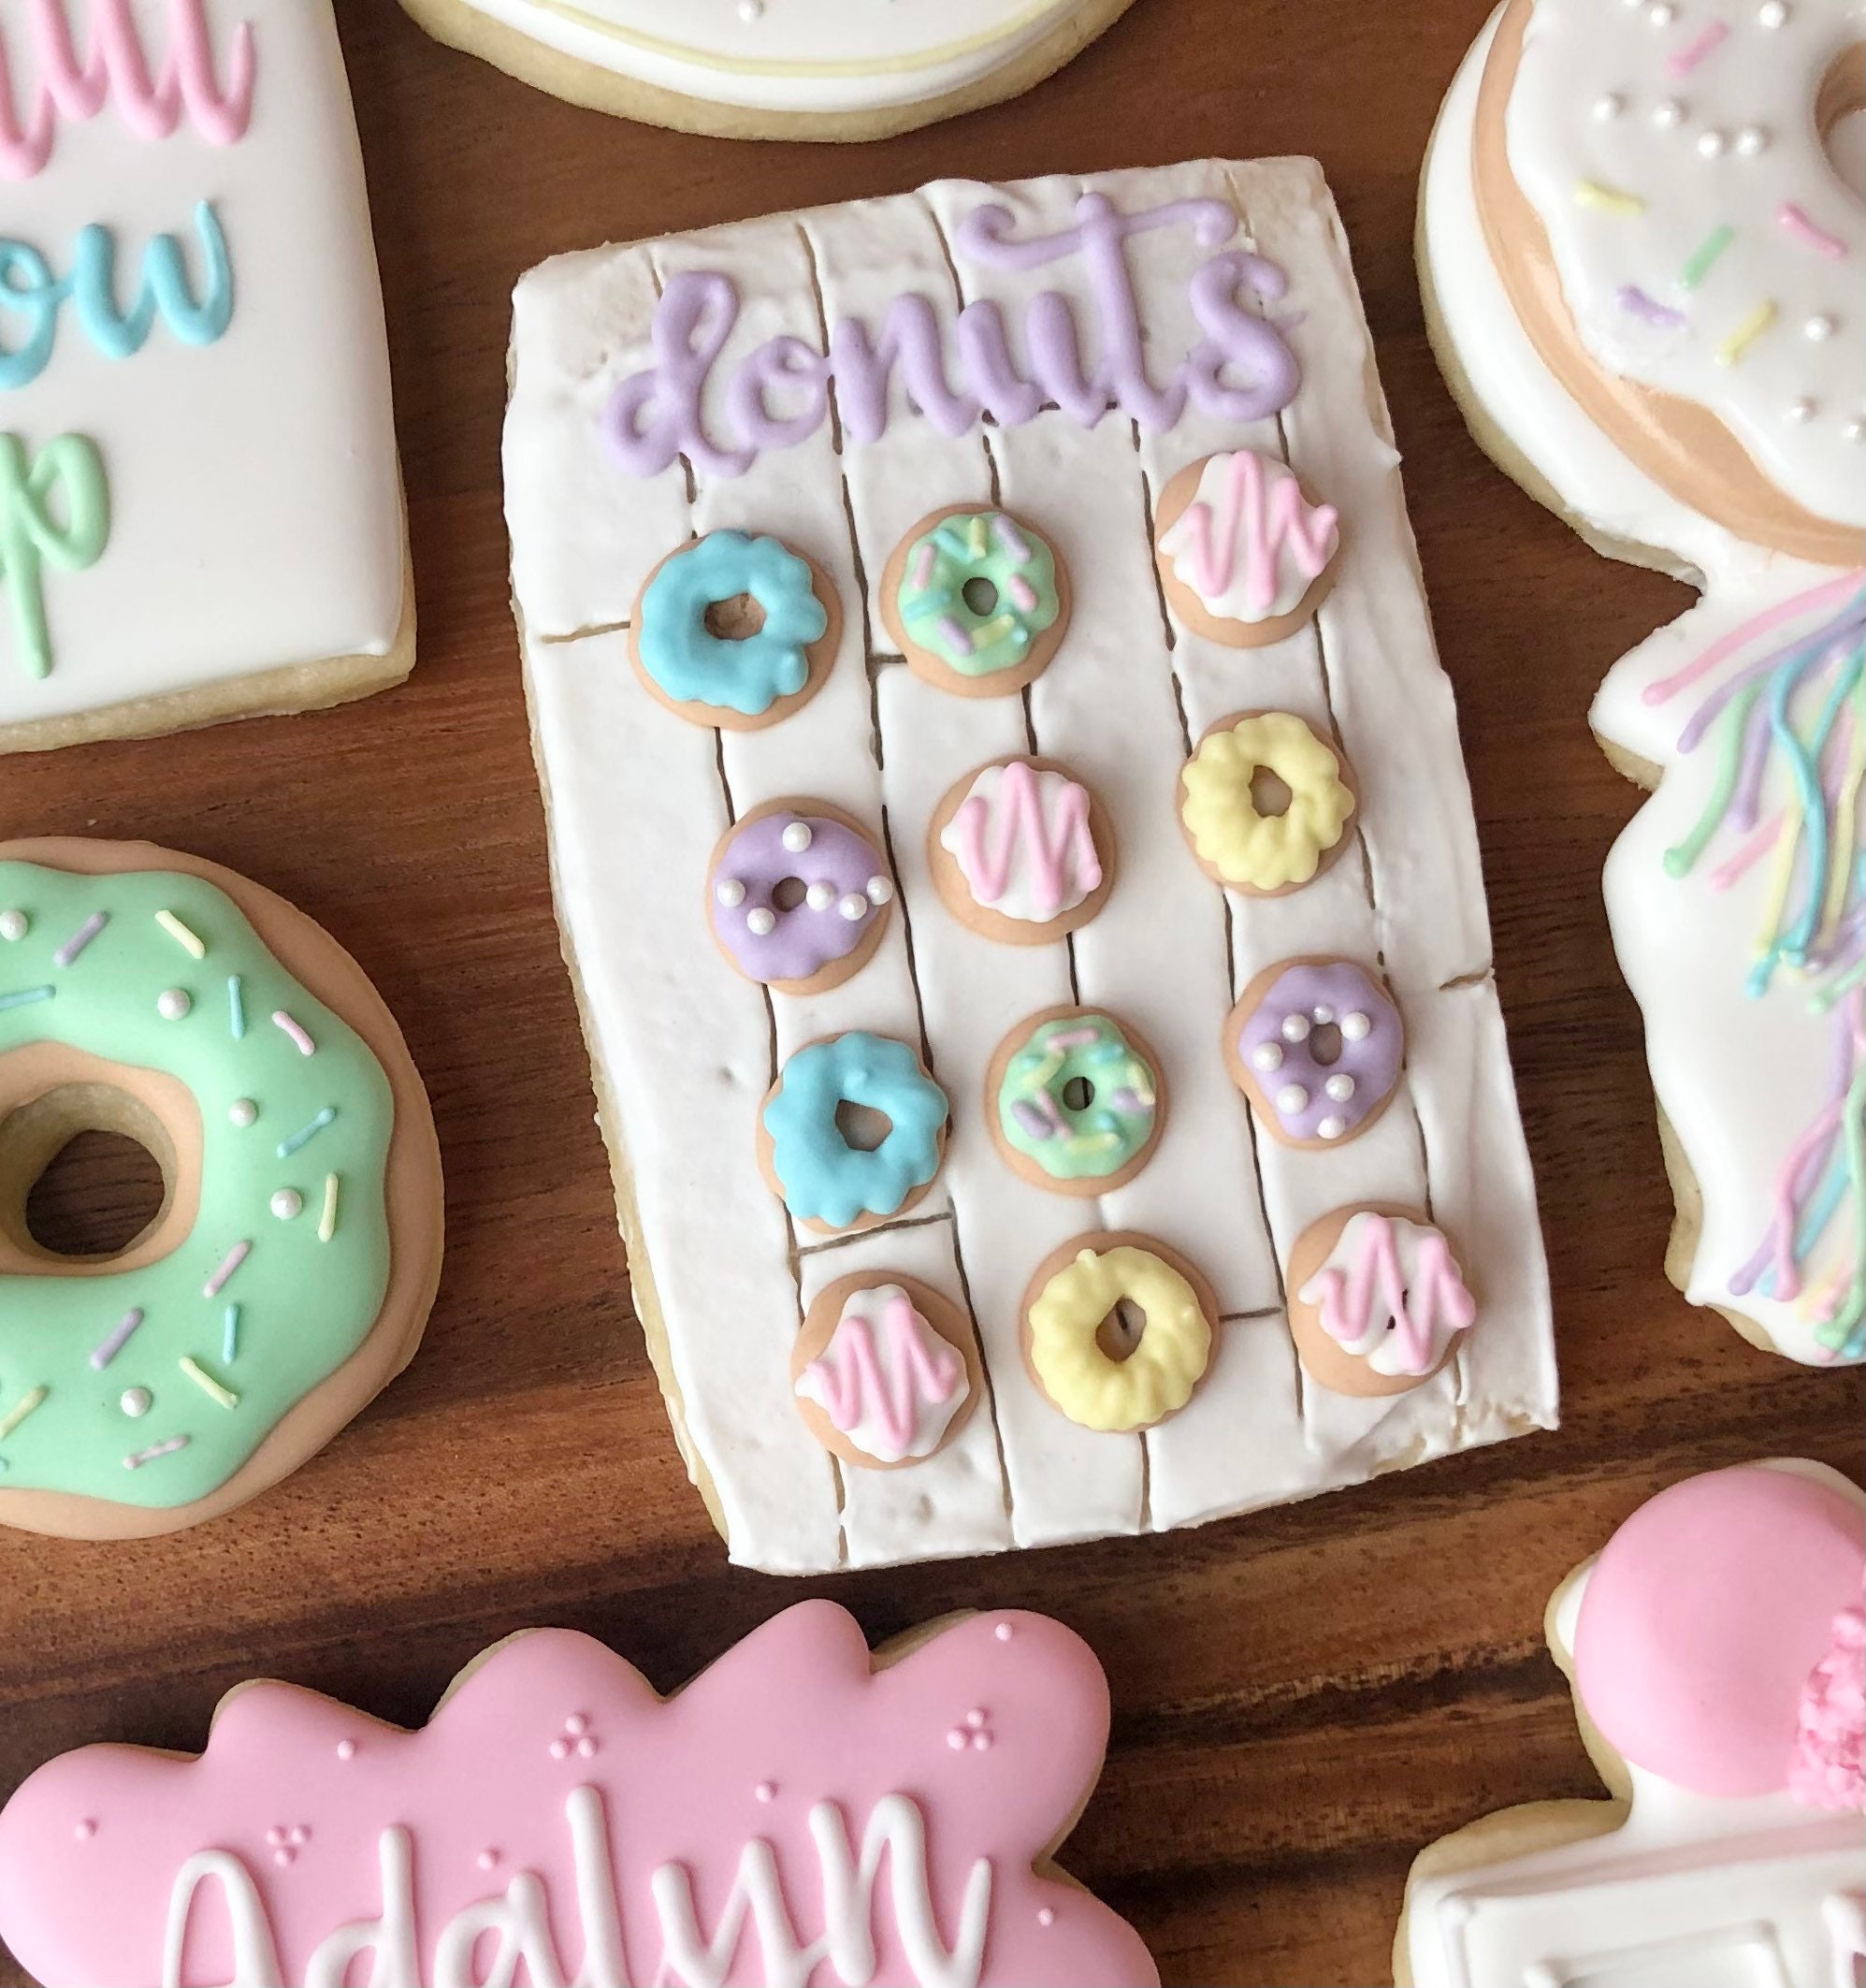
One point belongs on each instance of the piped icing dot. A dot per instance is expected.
(14, 925)
(1295, 1028)
(288, 1204)
(796, 836)
(1354, 1026)
(84, 1828)
(765, 1792)
(1801, 411)
(730, 891)
(488, 1859)
(242, 1111)
(1267, 1056)
(136, 1402)
(1661, 13)
(1005, 1631)
(1340, 1087)
(819, 896)
(1668, 112)
(853, 906)
(1772, 13)
(1046, 1915)
(174, 1003)
(761, 923)
(1609, 106)
(880, 889)
(1752, 139)
(346, 1749)
(1712, 144)
(1820, 328)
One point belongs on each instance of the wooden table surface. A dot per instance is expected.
(1303, 1698)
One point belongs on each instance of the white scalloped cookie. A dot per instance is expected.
(200, 503)
(775, 68)
(1642, 243)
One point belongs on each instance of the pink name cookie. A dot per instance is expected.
(801, 1812)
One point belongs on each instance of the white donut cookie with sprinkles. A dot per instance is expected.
(1644, 246)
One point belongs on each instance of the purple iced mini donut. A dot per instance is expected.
(798, 893)
(1280, 1031)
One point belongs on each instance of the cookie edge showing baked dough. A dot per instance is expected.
(413, 1188)
(459, 25)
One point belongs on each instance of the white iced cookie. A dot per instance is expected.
(1643, 244)
(775, 68)
(200, 506)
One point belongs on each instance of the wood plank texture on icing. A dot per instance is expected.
(1302, 1697)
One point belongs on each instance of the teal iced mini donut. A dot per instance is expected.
(977, 601)
(744, 679)
(824, 1181)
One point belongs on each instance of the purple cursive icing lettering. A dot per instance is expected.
(1243, 369)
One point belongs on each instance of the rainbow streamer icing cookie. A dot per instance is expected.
(1716, 1648)
(200, 504)
(892, 1817)
(1644, 241)
(1003, 1086)
(775, 68)
(289, 1275)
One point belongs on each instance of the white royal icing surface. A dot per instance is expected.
(873, 1320)
(1078, 870)
(255, 500)
(1641, 134)
(798, 55)
(1214, 523)
(1736, 1077)
(684, 1045)
(1689, 1891)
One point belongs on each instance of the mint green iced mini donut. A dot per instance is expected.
(979, 593)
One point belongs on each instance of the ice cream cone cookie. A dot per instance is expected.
(1377, 1300)
(1317, 1046)
(1118, 1331)
(1265, 803)
(1641, 233)
(735, 631)
(1716, 1648)
(1021, 850)
(287, 1276)
(886, 1370)
(1075, 1101)
(1244, 555)
(977, 601)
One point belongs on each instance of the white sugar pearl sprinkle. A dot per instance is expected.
(761, 923)
(1801, 410)
(1772, 13)
(1609, 106)
(14, 925)
(880, 889)
(820, 896)
(242, 1111)
(1820, 328)
(136, 1402)
(1661, 13)
(1340, 1087)
(1750, 139)
(853, 906)
(288, 1204)
(1331, 1128)
(1295, 1028)
(1292, 1097)
(1711, 144)
(173, 1003)
(1267, 1056)
(730, 892)
(1667, 113)
(1356, 1027)
(1855, 431)
(797, 838)
(1322, 1015)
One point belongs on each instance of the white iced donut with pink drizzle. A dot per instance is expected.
(1021, 849)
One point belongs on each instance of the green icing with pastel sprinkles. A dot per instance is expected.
(226, 1343)
(1019, 571)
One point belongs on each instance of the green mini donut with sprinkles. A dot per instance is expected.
(289, 1275)
(1075, 1101)
(977, 601)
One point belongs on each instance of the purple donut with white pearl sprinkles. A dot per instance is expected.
(797, 893)
(1321, 1048)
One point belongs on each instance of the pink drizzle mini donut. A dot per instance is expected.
(1275, 1045)
(798, 893)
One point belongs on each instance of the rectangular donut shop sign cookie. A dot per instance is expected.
(1014, 853)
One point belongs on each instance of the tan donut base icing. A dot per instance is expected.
(58, 1091)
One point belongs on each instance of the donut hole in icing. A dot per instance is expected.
(861, 1127)
(1840, 117)
(87, 1174)
(788, 892)
(1079, 1093)
(980, 596)
(736, 618)
(1270, 794)
(1119, 1335)
(1325, 1044)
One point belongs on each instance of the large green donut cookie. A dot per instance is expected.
(290, 1271)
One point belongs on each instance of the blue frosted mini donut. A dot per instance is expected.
(689, 665)
(822, 1178)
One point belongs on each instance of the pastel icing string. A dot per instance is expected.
(1250, 544)
(54, 510)
(1392, 1291)
(1789, 723)
(1038, 1108)
(749, 674)
(891, 1387)
(152, 98)
(965, 554)
(1022, 840)
(188, 1399)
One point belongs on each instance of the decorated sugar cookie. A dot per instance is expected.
(775, 68)
(968, 405)
(801, 1811)
(201, 506)
(289, 1272)
(1716, 1648)
(1642, 236)
(1377, 1300)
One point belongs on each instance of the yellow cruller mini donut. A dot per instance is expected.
(289, 1275)
(1072, 1316)
(1265, 803)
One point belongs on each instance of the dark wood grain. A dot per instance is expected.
(1304, 1697)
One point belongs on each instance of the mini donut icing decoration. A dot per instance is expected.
(827, 1184)
(977, 600)
(1244, 845)
(1075, 1101)
(1072, 1298)
(1245, 558)
(289, 1272)
(735, 631)
(1377, 1300)
(798, 893)
(1656, 192)
(1316, 1045)
(1021, 850)
(885, 1370)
